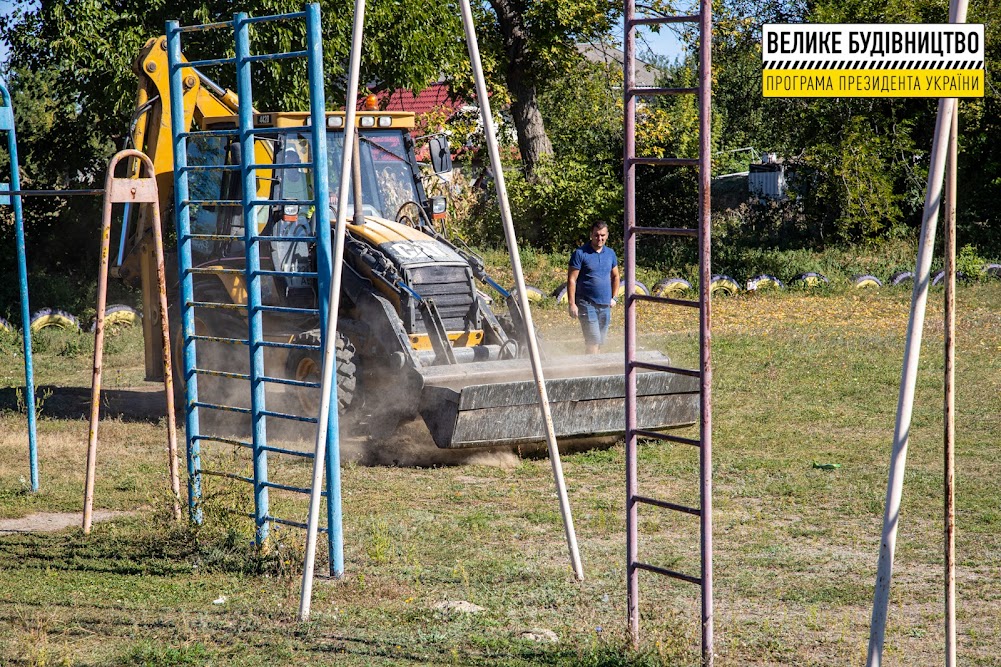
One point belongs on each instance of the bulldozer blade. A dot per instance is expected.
(486, 404)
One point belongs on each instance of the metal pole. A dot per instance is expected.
(908, 378)
(328, 384)
(129, 191)
(705, 337)
(168, 371)
(7, 123)
(629, 215)
(95, 385)
(950, 396)
(183, 224)
(519, 279)
(255, 316)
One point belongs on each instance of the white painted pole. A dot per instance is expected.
(950, 395)
(519, 279)
(908, 378)
(330, 349)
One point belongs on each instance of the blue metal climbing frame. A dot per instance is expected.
(257, 340)
(7, 125)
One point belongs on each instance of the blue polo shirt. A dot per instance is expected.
(594, 282)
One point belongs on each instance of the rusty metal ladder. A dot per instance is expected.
(704, 373)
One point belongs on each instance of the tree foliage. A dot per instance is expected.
(533, 42)
(860, 165)
(70, 70)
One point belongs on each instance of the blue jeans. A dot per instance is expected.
(593, 322)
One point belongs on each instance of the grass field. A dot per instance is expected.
(799, 379)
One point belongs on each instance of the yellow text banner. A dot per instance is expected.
(872, 83)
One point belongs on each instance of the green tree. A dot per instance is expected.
(70, 70)
(859, 165)
(533, 42)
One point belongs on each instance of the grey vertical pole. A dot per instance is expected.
(519, 279)
(908, 377)
(328, 408)
(950, 395)
(629, 220)
(705, 338)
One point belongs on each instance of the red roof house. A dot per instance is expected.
(435, 96)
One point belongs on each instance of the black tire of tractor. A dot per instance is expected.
(307, 365)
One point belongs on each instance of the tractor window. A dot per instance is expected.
(386, 173)
(388, 156)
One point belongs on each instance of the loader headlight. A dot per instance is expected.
(438, 205)
(385, 121)
(368, 121)
(335, 121)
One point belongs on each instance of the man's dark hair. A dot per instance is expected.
(599, 224)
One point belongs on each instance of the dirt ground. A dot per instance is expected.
(50, 522)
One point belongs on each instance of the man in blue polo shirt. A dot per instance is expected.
(592, 283)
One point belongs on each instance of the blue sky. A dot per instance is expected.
(664, 44)
(5, 7)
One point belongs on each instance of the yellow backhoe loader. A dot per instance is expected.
(418, 339)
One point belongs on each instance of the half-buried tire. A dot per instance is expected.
(53, 318)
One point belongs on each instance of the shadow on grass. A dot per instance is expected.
(146, 547)
(130, 405)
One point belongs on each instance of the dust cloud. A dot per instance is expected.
(372, 442)
(411, 446)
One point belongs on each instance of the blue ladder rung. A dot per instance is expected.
(219, 339)
(264, 57)
(289, 346)
(283, 415)
(282, 202)
(225, 441)
(202, 27)
(290, 452)
(212, 237)
(220, 406)
(275, 17)
(208, 63)
(288, 309)
(250, 445)
(263, 131)
(212, 202)
(296, 274)
(293, 524)
(221, 374)
(290, 383)
(284, 165)
(227, 132)
(208, 271)
(286, 487)
(210, 167)
(215, 304)
(288, 239)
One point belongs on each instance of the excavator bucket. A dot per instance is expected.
(485, 404)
